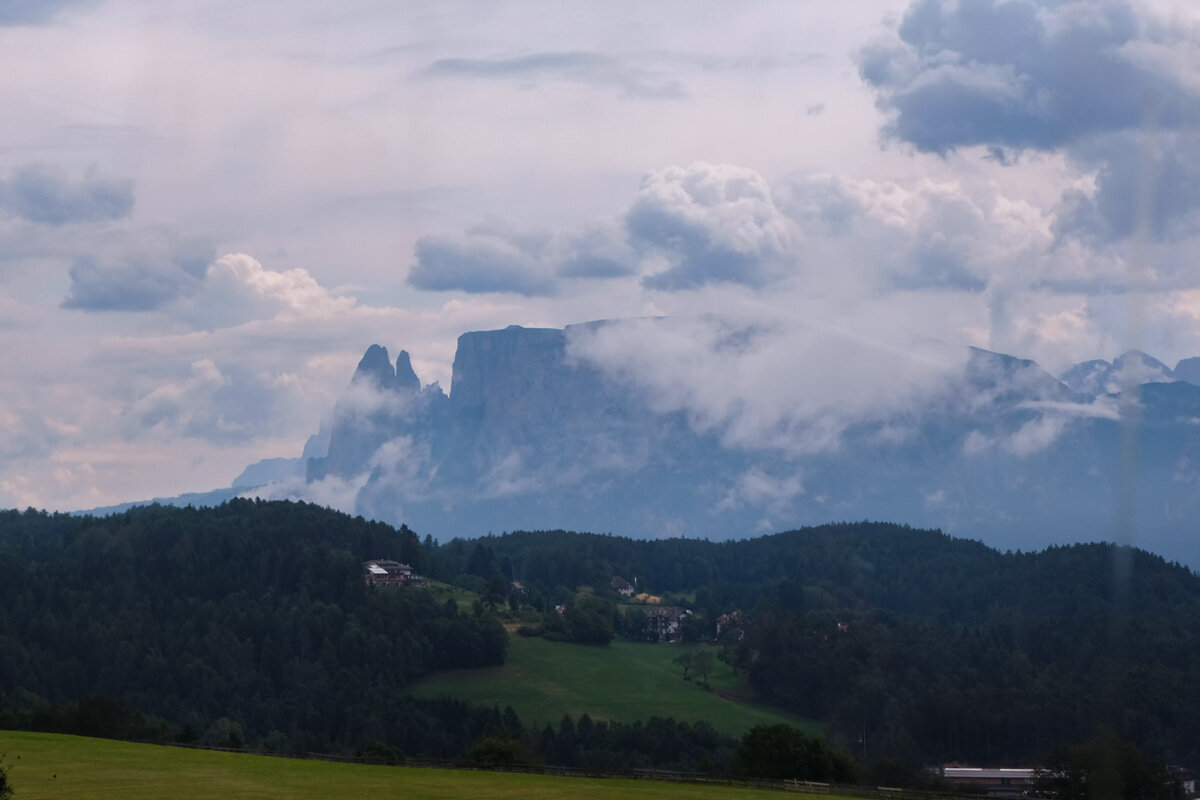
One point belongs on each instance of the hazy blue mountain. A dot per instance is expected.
(538, 432)
(1129, 369)
(1091, 377)
(1188, 370)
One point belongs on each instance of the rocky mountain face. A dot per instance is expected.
(588, 428)
(538, 433)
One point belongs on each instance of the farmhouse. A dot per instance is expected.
(382, 572)
(621, 586)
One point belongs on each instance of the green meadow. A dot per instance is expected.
(624, 682)
(43, 766)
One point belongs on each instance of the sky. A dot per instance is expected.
(208, 210)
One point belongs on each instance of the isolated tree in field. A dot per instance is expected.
(737, 658)
(702, 662)
(685, 660)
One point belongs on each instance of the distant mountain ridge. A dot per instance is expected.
(537, 432)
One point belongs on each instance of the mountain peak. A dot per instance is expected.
(406, 377)
(376, 367)
(1188, 370)
(1135, 368)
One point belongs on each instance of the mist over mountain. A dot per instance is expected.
(715, 428)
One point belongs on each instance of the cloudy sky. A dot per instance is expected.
(208, 210)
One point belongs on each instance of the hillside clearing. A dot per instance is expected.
(624, 682)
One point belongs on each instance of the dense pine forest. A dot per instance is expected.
(248, 620)
(250, 624)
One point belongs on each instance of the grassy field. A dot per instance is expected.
(625, 681)
(43, 766)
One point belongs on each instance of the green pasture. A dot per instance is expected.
(624, 682)
(44, 766)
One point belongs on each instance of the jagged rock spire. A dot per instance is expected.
(406, 378)
(376, 367)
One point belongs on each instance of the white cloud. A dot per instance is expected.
(237, 289)
(771, 381)
(757, 488)
(713, 223)
(1035, 435)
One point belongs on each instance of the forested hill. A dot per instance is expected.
(854, 566)
(911, 645)
(256, 612)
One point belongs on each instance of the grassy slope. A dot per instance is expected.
(98, 768)
(625, 682)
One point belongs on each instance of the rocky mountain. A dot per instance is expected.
(584, 428)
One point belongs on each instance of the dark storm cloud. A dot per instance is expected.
(1104, 82)
(575, 67)
(1140, 181)
(46, 194)
(1022, 74)
(479, 262)
(144, 279)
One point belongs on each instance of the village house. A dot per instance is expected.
(621, 586)
(666, 622)
(383, 572)
(734, 624)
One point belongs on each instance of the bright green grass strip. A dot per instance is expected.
(99, 768)
(624, 682)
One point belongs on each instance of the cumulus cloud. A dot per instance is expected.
(688, 227)
(483, 259)
(944, 234)
(1107, 82)
(237, 288)
(712, 223)
(1026, 74)
(143, 275)
(496, 257)
(183, 278)
(577, 67)
(45, 194)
